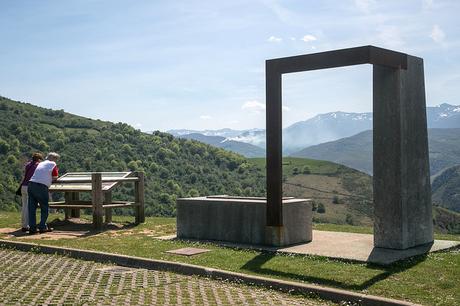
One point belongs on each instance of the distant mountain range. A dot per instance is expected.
(356, 151)
(242, 148)
(325, 128)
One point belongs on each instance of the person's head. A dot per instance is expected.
(52, 156)
(37, 157)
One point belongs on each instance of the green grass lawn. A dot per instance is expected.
(431, 279)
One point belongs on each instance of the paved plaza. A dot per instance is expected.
(38, 279)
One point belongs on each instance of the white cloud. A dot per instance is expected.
(292, 38)
(437, 34)
(390, 37)
(364, 5)
(274, 39)
(205, 117)
(257, 107)
(253, 106)
(427, 4)
(308, 38)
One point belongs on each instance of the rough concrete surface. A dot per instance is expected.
(241, 220)
(402, 190)
(360, 247)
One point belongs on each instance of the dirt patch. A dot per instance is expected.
(67, 229)
(8, 230)
(55, 235)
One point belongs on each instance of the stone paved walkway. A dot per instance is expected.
(38, 279)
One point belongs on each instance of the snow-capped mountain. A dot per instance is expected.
(327, 127)
(227, 133)
(323, 128)
(443, 116)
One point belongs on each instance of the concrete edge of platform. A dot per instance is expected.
(284, 251)
(326, 293)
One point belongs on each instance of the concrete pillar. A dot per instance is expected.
(402, 191)
(274, 151)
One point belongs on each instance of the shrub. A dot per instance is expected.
(314, 206)
(335, 199)
(4, 146)
(321, 208)
(349, 219)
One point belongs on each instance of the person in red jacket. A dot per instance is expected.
(29, 170)
(45, 174)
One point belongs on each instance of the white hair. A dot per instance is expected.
(53, 156)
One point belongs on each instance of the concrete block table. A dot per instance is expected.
(242, 220)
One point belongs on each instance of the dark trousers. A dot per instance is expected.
(38, 193)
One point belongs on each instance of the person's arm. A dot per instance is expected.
(55, 174)
(26, 169)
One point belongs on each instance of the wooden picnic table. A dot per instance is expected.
(100, 185)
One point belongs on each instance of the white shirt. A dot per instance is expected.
(43, 173)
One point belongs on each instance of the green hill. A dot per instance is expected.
(356, 151)
(174, 167)
(343, 192)
(446, 189)
(343, 195)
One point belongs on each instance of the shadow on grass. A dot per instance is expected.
(76, 228)
(256, 265)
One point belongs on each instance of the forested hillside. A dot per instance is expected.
(173, 167)
(356, 151)
(446, 189)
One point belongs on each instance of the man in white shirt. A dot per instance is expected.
(45, 174)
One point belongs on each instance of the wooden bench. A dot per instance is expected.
(100, 185)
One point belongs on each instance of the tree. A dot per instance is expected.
(295, 171)
(321, 208)
(306, 170)
(335, 199)
(98, 154)
(193, 193)
(132, 165)
(4, 146)
(314, 206)
(349, 219)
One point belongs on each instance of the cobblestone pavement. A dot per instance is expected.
(38, 279)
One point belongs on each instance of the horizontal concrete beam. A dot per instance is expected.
(339, 58)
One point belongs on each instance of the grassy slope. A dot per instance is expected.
(446, 189)
(352, 188)
(325, 181)
(410, 280)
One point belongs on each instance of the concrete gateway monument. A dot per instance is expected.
(402, 192)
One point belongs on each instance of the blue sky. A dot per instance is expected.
(160, 65)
